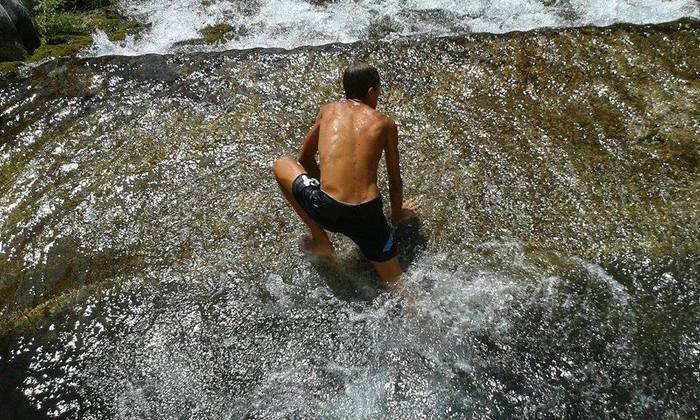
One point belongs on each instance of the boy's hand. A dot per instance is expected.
(409, 209)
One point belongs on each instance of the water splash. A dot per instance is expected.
(292, 23)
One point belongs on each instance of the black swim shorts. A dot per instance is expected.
(364, 223)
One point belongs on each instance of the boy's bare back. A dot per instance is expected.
(351, 139)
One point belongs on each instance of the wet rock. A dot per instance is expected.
(558, 175)
(10, 45)
(18, 37)
(544, 130)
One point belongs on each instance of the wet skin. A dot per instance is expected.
(349, 137)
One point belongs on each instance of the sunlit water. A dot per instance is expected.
(499, 338)
(292, 23)
(555, 263)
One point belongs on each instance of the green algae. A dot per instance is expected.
(112, 22)
(9, 67)
(66, 30)
(66, 45)
(216, 33)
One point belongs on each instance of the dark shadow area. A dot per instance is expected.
(411, 241)
(353, 279)
(13, 403)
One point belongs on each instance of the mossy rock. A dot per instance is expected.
(9, 67)
(73, 32)
(71, 45)
(87, 4)
(112, 22)
(59, 39)
(216, 33)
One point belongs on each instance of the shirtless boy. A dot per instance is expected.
(342, 195)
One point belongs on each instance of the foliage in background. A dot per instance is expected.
(86, 4)
(63, 17)
(49, 18)
(66, 26)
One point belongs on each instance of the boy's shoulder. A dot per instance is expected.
(379, 117)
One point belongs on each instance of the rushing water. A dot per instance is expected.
(291, 23)
(150, 267)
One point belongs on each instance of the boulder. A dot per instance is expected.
(18, 37)
(10, 46)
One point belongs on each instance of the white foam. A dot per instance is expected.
(69, 167)
(292, 23)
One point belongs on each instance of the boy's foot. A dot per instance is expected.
(308, 245)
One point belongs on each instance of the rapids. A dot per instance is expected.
(175, 25)
(150, 268)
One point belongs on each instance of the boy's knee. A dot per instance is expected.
(277, 165)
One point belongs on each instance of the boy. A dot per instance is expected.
(349, 137)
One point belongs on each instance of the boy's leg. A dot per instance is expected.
(286, 170)
(389, 271)
(391, 274)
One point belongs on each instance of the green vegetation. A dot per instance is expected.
(65, 26)
(9, 66)
(216, 33)
(70, 46)
(49, 18)
(61, 17)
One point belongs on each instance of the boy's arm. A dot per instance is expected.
(307, 153)
(391, 149)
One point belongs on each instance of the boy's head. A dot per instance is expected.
(361, 81)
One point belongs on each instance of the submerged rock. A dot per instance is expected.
(558, 173)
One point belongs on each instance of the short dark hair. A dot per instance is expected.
(358, 78)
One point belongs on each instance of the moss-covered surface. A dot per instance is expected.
(60, 46)
(216, 33)
(9, 66)
(29, 319)
(66, 28)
